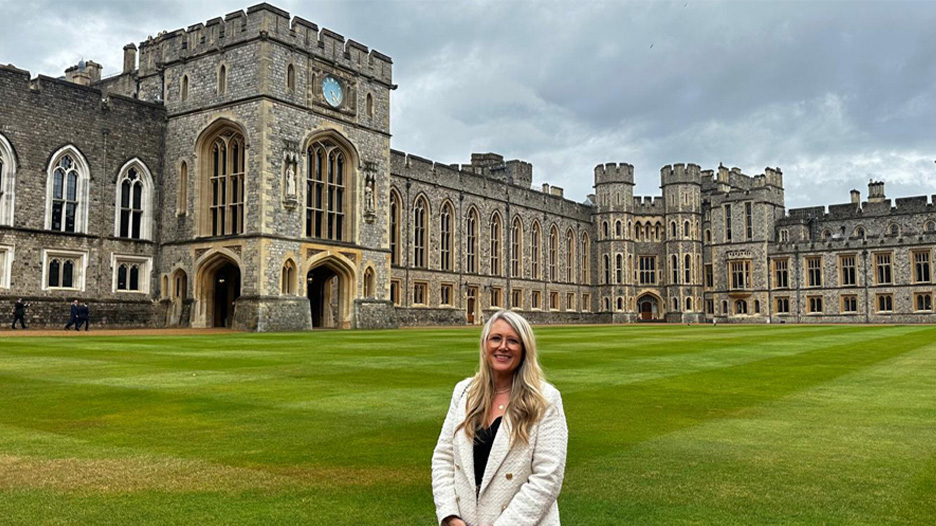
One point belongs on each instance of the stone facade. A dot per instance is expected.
(239, 173)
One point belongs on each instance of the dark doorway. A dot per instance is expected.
(227, 283)
(322, 290)
(648, 308)
(471, 304)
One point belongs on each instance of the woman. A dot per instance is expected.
(501, 455)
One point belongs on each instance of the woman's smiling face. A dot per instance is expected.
(504, 349)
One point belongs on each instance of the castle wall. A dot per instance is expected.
(40, 117)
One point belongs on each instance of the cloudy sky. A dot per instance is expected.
(834, 93)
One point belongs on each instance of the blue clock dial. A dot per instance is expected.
(332, 91)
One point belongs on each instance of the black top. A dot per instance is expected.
(483, 441)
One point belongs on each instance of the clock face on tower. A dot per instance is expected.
(332, 91)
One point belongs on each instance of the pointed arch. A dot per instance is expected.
(586, 259)
(516, 247)
(396, 203)
(332, 164)
(329, 273)
(133, 201)
(369, 287)
(471, 239)
(222, 171)
(536, 239)
(217, 288)
(446, 235)
(553, 252)
(7, 182)
(496, 235)
(570, 256)
(222, 78)
(289, 278)
(182, 194)
(291, 78)
(421, 213)
(67, 191)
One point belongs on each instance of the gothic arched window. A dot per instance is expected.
(222, 79)
(134, 202)
(619, 269)
(67, 192)
(7, 184)
(496, 232)
(516, 242)
(182, 197)
(687, 270)
(586, 261)
(394, 227)
(227, 168)
(535, 235)
(445, 229)
(369, 283)
(326, 198)
(471, 241)
(570, 256)
(553, 253)
(288, 285)
(420, 211)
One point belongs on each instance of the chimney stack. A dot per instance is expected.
(129, 62)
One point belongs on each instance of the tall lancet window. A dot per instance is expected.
(67, 192)
(131, 205)
(326, 191)
(420, 210)
(227, 185)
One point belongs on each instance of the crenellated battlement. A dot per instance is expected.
(680, 174)
(264, 22)
(614, 173)
(876, 206)
(649, 205)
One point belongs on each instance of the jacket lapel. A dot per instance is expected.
(498, 453)
(464, 449)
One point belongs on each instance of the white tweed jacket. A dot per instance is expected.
(520, 483)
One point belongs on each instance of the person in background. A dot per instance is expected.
(19, 313)
(84, 316)
(500, 458)
(72, 315)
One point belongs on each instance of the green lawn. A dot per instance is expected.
(668, 425)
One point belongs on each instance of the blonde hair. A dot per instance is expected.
(527, 403)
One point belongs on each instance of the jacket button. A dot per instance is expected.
(457, 499)
(509, 476)
(504, 507)
(457, 466)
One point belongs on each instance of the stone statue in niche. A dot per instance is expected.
(290, 182)
(369, 195)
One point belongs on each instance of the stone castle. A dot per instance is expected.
(238, 173)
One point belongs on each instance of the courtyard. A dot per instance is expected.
(668, 425)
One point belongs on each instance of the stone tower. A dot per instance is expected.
(682, 196)
(277, 161)
(614, 191)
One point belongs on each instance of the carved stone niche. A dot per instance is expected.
(370, 191)
(290, 184)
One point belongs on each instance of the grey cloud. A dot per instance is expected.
(832, 92)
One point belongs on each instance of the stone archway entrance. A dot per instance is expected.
(322, 284)
(649, 307)
(227, 284)
(218, 285)
(329, 286)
